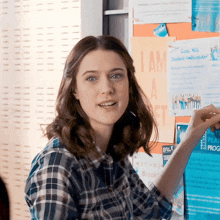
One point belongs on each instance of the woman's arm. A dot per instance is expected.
(201, 120)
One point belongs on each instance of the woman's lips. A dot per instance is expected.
(107, 104)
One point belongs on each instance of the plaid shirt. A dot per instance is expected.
(63, 186)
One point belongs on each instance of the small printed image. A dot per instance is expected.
(161, 31)
(215, 54)
(186, 101)
(180, 132)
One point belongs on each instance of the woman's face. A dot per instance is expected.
(102, 87)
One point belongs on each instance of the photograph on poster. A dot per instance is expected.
(186, 101)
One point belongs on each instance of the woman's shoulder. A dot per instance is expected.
(54, 167)
(55, 145)
(54, 154)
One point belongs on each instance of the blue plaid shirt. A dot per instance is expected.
(63, 186)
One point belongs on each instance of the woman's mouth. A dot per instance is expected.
(107, 104)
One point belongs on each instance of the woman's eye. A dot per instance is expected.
(91, 78)
(117, 76)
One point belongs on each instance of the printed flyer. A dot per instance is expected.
(193, 75)
(202, 176)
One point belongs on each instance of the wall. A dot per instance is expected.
(36, 36)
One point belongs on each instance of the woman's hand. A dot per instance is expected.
(201, 120)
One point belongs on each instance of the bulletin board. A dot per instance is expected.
(182, 31)
(150, 169)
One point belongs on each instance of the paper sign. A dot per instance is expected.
(150, 60)
(161, 11)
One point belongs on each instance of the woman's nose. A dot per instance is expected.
(107, 86)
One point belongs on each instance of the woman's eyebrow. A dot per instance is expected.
(90, 71)
(115, 69)
(96, 71)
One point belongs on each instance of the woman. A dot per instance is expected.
(102, 117)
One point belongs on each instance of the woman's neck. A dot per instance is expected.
(102, 138)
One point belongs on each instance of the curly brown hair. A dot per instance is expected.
(132, 131)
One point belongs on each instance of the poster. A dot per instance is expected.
(178, 198)
(202, 176)
(161, 11)
(193, 75)
(150, 61)
(205, 15)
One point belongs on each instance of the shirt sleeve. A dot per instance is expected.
(148, 203)
(49, 189)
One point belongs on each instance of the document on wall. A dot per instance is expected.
(161, 11)
(205, 15)
(178, 198)
(150, 61)
(202, 176)
(148, 168)
(193, 75)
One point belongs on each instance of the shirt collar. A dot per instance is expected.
(97, 158)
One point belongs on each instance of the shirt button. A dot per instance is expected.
(125, 186)
(110, 189)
